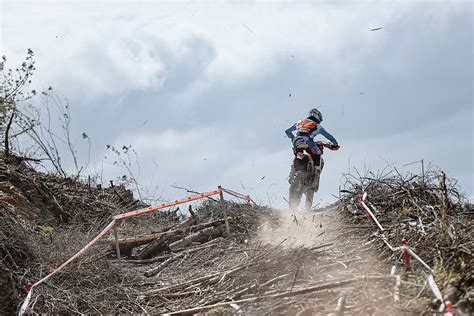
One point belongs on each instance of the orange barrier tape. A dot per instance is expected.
(166, 205)
(24, 305)
(239, 195)
(80, 252)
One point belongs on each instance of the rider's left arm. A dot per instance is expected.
(290, 130)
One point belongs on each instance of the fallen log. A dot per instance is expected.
(167, 256)
(159, 245)
(213, 241)
(126, 245)
(174, 242)
(202, 235)
(155, 247)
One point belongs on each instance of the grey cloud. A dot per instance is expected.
(430, 84)
(432, 81)
(124, 112)
(416, 77)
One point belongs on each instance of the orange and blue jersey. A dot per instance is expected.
(306, 130)
(310, 129)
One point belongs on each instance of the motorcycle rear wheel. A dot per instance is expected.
(296, 189)
(309, 198)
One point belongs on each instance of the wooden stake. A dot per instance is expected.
(423, 171)
(117, 248)
(191, 212)
(406, 256)
(221, 196)
(221, 193)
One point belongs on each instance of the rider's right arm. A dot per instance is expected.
(327, 135)
(290, 130)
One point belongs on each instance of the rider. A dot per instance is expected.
(306, 130)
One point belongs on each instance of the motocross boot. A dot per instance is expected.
(292, 172)
(316, 176)
(312, 188)
(309, 199)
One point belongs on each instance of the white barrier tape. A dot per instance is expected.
(403, 248)
(419, 259)
(25, 304)
(413, 253)
(80, 252)
(239, 195)
(364, 196)
(373, 216)
(384, 239)
(431, 282)
(369, 211)
(434, 288)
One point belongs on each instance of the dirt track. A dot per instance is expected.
(348, 257)
(295, 263)
(304, 263)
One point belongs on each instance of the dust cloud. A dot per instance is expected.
(296, 228)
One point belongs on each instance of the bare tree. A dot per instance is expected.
(127, 159)
(51, 139)
(13, 83)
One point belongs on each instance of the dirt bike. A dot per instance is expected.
(304, 178)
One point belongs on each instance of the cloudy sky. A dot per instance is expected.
(202, 91)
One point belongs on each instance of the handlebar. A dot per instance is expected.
(330, 146)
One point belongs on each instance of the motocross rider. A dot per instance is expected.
(306, 130)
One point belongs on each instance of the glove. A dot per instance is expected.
(334, 147)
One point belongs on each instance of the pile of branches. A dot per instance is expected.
(194, 265)
(42, 213)
(430, 212)
(214, 220)
(101, 282)
(46, 198)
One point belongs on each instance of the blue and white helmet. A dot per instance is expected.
(314, 113)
